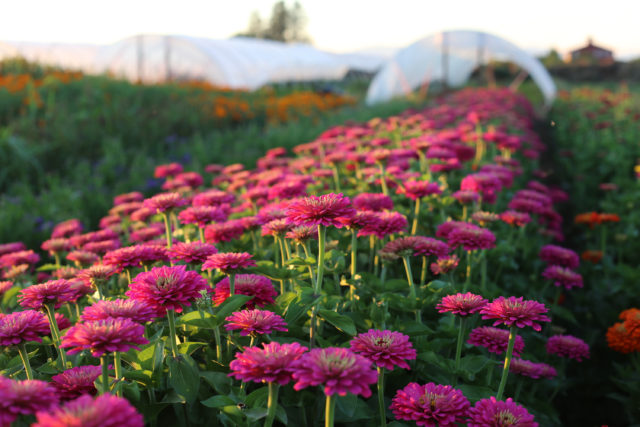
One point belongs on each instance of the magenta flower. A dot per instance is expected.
(443, 230)
(513, 218)
(135, 256)
(24, 398)
(106, 410)
(145, 234)
(57, 245)
(277, 227)
(255, 322)
(273, 363)
(428, 246)
(224, 231)
(323, 210)
(17, 258)
(385, 349)
(472, 238)
(104, 336)
(495, 340)
(134, 196)
(83, 258)
(466, 197)
(302, 233)
(55, 292)
(259, 287)
(67, 228)
(387, 223)
(192, 253)
(288, 189)
(562, 276)
(213, 198)
(418, 189)
(7, 248)
(445, 264)
(567, 346)
(167, 288)
(202, 215)
(497, 413)
(168, 170)
(514, 311)
(23, 326)
(406, 246)
(229, 262)
(340, 370)
(5, 286)
(76, 381)
(486, 183)
(557, 255)
(165, 201)
(136, 310)
(430, 405)
(531, 369)
(461, 304)
(372, 202)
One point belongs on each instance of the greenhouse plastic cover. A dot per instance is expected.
(423, 61)
(238, 63)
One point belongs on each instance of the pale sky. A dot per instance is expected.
(335, 25)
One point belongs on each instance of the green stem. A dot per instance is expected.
(201, 234)
(322, 234)
(507, 362)
(55, 334)
(516, 395)
(311, 276)
(281, 246)
(383, 181)
(118, 368)
(483, 273)
(468, 281)
(272, 404)
(104, 360)
(232, 284)
(416, 215)
(423, 271)
(412, 288)
(216, 334)
(22, 349)
(172, 332)
(336, 178)
(56, 256)
(381, 406)
(354, 252)
(329, 411)
(459, 344)
(167, 229)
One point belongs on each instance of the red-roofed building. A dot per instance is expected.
(591, 54)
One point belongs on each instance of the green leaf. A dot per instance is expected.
(475, 392)
(198, 318)
(266, 268)
(218, 401)
(473, 364)
(257, 398)
(144, 376)
(297, 261)
(219, 381)
(342, 323)
(254, 414)
(184, 377)
(49, 267)
(190, 347)
(231, 304)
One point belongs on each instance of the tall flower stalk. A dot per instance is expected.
(507, 362)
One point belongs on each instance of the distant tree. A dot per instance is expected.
(286, 24)
(551, 59)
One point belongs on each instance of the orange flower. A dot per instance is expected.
(594, 218)
(620, 340)
(591, 256)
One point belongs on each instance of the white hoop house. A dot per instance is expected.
(451, 57)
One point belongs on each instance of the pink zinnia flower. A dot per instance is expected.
(466, 197)
(385, 349)
(272, 363)
(213, 198)
(104, 336)
(324, 210)
(168, 170)
(557, 255)
(430, 405)
(135, 256)
(497, 413)
(67, 228)
(461, 304)
(229, 262)
(136, 310)
(203, 215)
(288, 189)
(97, 274)
(5, 286)
(486, 183)
(145, 234)
(340, 370)
(472, 238)
(568, 346)
(259, 287)
(192, 253)
(561, 276)
(443, 230)
(387, 223)
(83, 258)
(17, 258)
(7, 248)
(165, 201)
(23, 326)
(255, 322)
(56, 245)
(418, 189)
(372, 202)
(514, 311)
(514, 218)
(224, 231)
(531, 369)
(167, 288)
(302, 233)
(404, 246)
(55, 292)
(134, 196)
(277, 227)
(76, 381)
(106, 410)
(24, 398)
(361, 220)
(495, 340)
(444, 265)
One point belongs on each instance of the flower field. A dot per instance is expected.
(439, 267)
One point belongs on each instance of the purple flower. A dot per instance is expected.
(136, 310)
(562, 276)
(76, 381)
(430, 405)
(23, 326)
(515, 311)
(461, 304)
(272, 363)
(532, 369)
(106, 410)
(568, 346)
(104, 336)
(55, 292)
(255, 322)
(557, 255)
(495, 340)
(385, 349)
(497, 413)
(323, 210)
(24, 398)
(259, 287)
(229, 262)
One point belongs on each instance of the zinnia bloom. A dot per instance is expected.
(531, 369)
(561, 276)
(23, 326)
(106, 410)
(620, 339)
(260, 287)
(67, 228)
(7, 248)
(385, 349)
(495, 340)
(515, 311)
(224, 231)
(568, 346)
(168, 170)
(17, 258)
(167, 288)
(372, 202)
(430, 405)
(136, 310)
(165, 201)
(472, 238)
(323, 210)
(497, 413)
(557, 255)
(213, 198)
(418, 189)
(83, 258)
(340, 370)
(387, 223)
(24, 398)
(55, 292)
(202, 215)
(76, 381)
(104, 336)
(255, 322)
(461, 304)
(229, 262)
(192, 253)
(444, 265)
(272, 363)
(5, 286)
(513, 218)
(302, 233)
